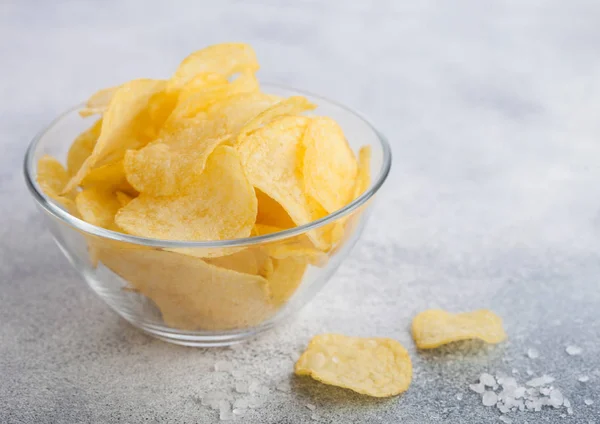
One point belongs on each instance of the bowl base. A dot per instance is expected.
(194, 339)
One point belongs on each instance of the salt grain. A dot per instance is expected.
(567, 403)
(506, 420)
(254, 386)
(489, 398)
(487, 380)
(573, 350)
(239, 412)
(311, 406)
(242, 387)
(284, 386)
(533, 353)
(459, 396)
(515, 371)
(540, 381)
(556, 398)
(529, 372)
(477, 388)
(588, 402)
(570, 411)
(241, 403)
(583, 379)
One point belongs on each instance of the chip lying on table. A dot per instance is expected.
(205, 156)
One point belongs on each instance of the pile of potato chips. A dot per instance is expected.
(204, 156)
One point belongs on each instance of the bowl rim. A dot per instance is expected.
(53, 209)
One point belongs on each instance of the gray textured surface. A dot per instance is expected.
(492, 111)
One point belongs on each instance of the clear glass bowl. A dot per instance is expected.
(166, 290)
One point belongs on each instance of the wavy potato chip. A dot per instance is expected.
(270, 156)
(82, 147)
(435, 327)
(193, 101)
(376, 367)
(123, 198)
(191, 294)
(225, 59)
(329, 164)
(108, 177)
(363, 177)
(98, 102)
(222, 206)
(290, 106)
(253, 261)
(122, 123)
(52, 177)
(285, 278)
(294, 247)
(271, 213)
(174, 162)
(98, 207)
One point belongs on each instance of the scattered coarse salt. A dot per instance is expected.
(573, 350)
(242, 387)
(241, 403)
(540, 381)
(237, 373)
(533, 353)
(254, 386)
(224, 366)
(225, 413)
(570, 411)
(583, 379)
(459, 396)
(567, 403)
(556, 398)
(311, 406)
(489, 398)
(239, 412)
(487, 380)
(588, 402)
(505, 420)
(529, 372)
(477, 388)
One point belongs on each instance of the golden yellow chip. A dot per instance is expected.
(253, 261)
(82, 147)
(270, 213)
(99, 101)
(285, 278)
(108, 177)
(434, 327)
(376, 367)
(299, 247)
(98, 207)
(363, 177)
(191, 294)
(174, 162)
(194, 101)
(122, 124)
(225, 59)
(329, 164)
(52, 178)
(290, 106)
(222, 206)
(239, 109)
(123, 198)
(270, 156)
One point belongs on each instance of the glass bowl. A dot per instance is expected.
(207, 293)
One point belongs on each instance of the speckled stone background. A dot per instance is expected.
(492, 109)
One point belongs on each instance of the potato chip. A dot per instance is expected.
(174, 162)
(193, 101)
(270, 158)
(223, 206)
(253, 261)
(329, 164)
(270, 213)
(123, 198)
(285, 278)
(52, 177)
(434, 327)
(99, 101)
(82, 147)
(363, 177)
(108, 177)
(239, 109)
(376, 367)
(191, 294)
(122, 123)
(98, 207)
(225, 59)
(294, 247)
(290, 106)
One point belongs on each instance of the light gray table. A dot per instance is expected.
(492, 109)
